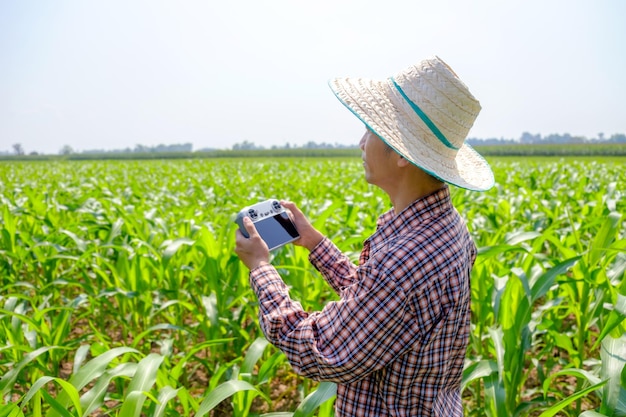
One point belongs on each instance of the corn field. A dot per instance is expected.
(120, 293)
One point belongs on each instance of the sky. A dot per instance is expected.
(115, 74)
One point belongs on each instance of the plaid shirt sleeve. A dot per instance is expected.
(371, 325)
(336, 268)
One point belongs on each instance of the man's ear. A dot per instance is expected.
(403, 162)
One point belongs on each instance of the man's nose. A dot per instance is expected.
(362, 142)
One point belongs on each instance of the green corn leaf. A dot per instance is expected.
(171, 247)
(615, 318)
(519, 237)
(90, 371)
(255, 351)
(68, 388)
(80, 243)
(515, 307)
(178, 368)
(487, 252)
(96, 366)
(547, 279)
(210, 307)
(10, 410)
(497, 336)
(620, 408)
(604, 238)
(613, 355)
(578, 373)
(94, 398)
(116, 230)
(495, 396)
(477, 371)
(552, 411)
(145, 376)
(142, 382)
(325, 391)
(54, 405)
(160, 326)
(514, 316)
(221, 392)
(623, 378)
(21, 317)
(9, 230)
(79, 358)
(269, 366)
(8, 379)
(132, 404)
(564, 341)
(166, 394)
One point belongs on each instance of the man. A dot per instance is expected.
(395, 341)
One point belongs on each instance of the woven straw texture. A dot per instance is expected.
(387, 108)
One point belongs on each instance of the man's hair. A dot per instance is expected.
(388, 149)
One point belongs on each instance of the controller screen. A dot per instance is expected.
(276, 230)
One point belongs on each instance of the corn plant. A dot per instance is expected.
(121, 294)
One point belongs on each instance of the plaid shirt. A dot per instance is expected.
(395, 342)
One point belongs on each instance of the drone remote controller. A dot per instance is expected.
(271, 221)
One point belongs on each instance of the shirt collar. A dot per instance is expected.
(389, 223)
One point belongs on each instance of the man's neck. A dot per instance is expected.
(411, 187)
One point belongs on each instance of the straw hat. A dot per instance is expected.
(424, 113)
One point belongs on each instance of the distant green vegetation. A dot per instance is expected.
(557, 150)
(238, 153)
(574, 149)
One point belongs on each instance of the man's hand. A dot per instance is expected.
(252, 251)
(309, 236)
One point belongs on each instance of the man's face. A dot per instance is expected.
(379, 161)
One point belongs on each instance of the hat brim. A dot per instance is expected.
(372, 102)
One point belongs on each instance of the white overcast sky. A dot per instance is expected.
(96, 74)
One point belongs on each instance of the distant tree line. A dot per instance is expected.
(525, 139)
(553, 139)
(184, 147)
(250, 146)
(18, 149)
